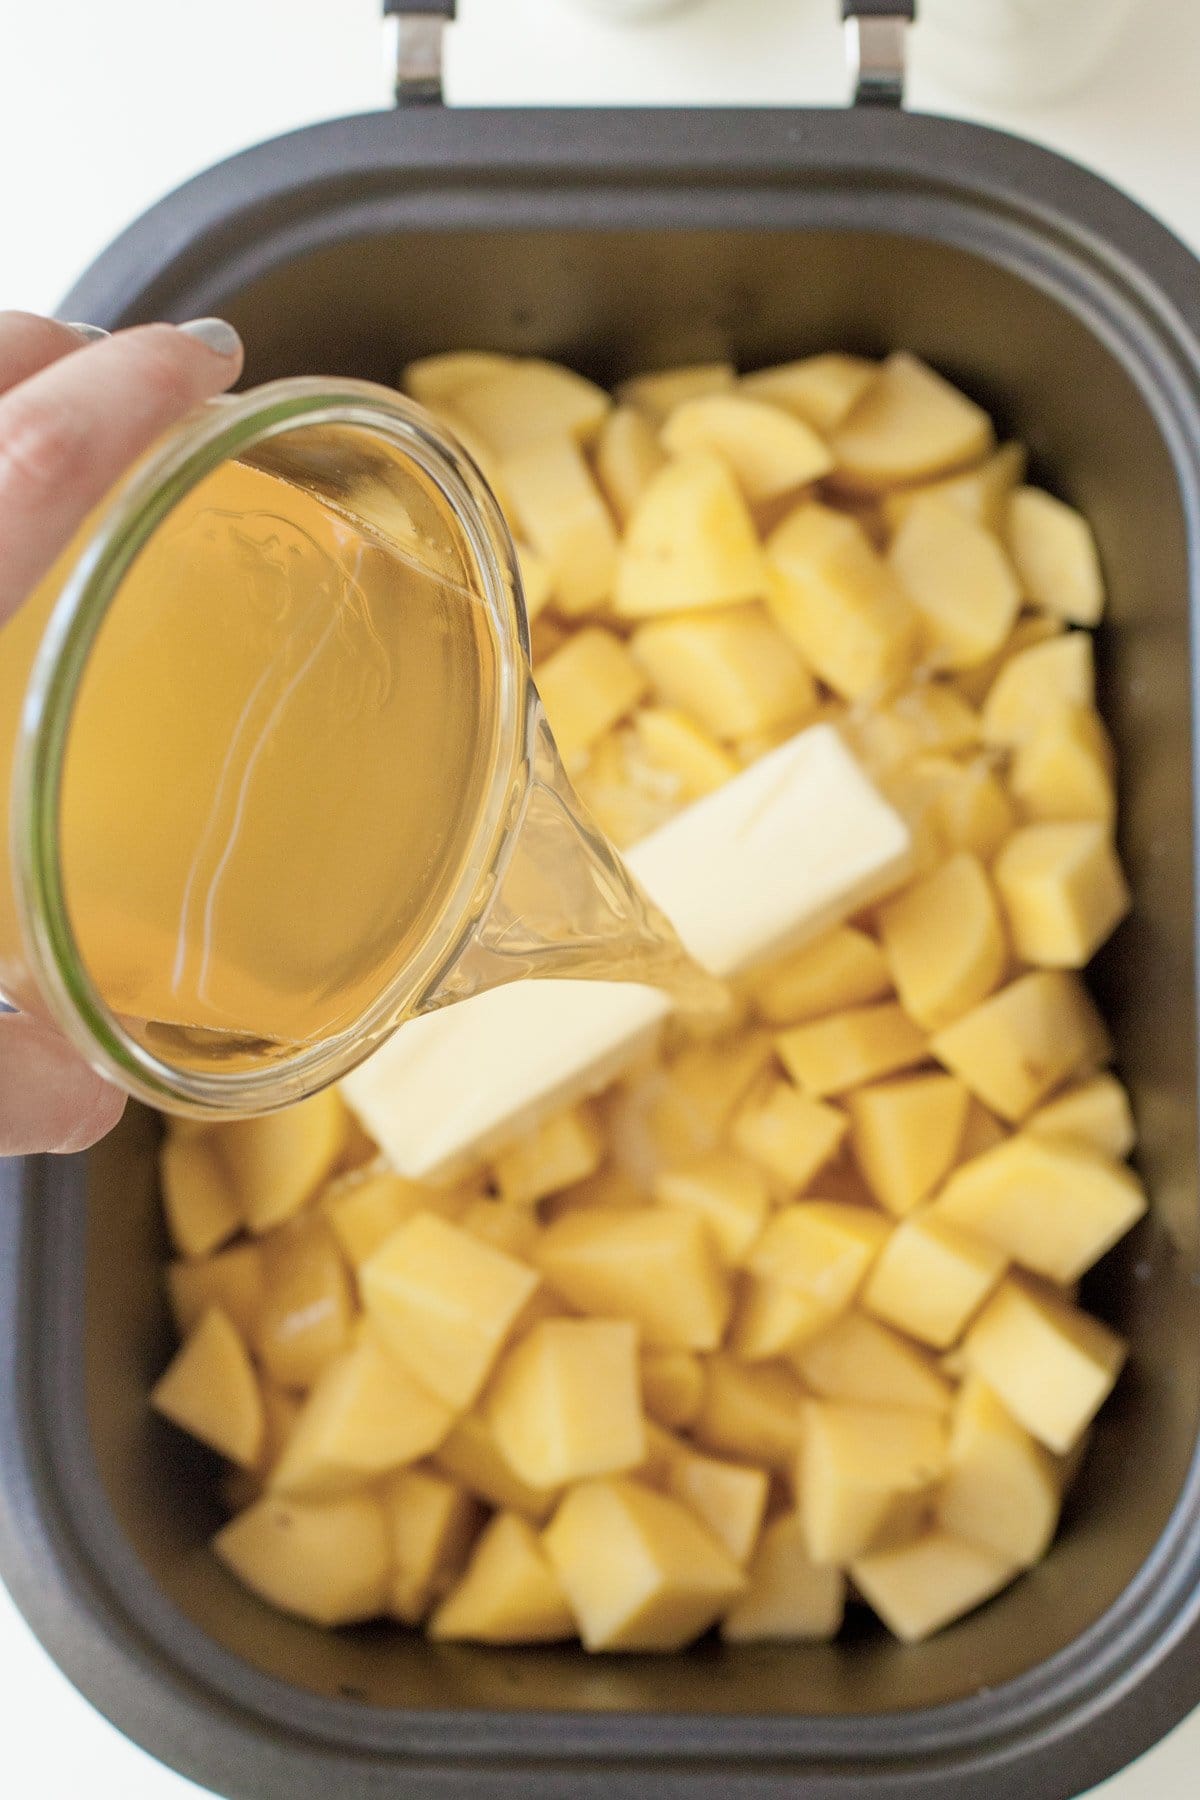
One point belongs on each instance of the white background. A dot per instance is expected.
(106, 104)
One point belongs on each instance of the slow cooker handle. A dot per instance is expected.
(416, 31)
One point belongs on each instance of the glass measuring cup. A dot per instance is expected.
(276, 773)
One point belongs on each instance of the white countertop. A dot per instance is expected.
(105, 107)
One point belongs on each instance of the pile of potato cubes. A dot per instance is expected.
(789, 1315)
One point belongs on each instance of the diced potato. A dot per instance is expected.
(792, 1135)
(930, 718)
(1055, 554)
(564, 1149)
(210, 1390)
(839, 602)
(930, 1278)
(471, 1456)
(1001, 1488)
(444, 1303)
(732, 669)
(536, 585)
(477, 448)
(959, 580)
(565, 1403)
(979, 494)
(821, 1251)
(840, 969)
(559, 508)
(1030, 629)
(435, 379)
(831, 1055)
(508, 1593)
(1053, 1205)
(905, 1135)
(432, 1522)
(657, 1266)
(908, 425)
(659, 393)
(981, 1131)
(640, 1571)
(308, 1308)
(530, 401)
(545, 637)
(917, 1588)
(628, 457)
(1032, 684)
(198, 1199)
(232, 1280)
(1063, 890)
(608, 1187)
(1017, 1046)
(1064, 769)
(729, 1498)
(513, 1229)
(704, 1085)
(754, 1413)
(586, 687)
(690, 542)
(728, 1192)
(672, 1386)
(970, 810)
(364, 1209)
(1051, 1365)
(859, 1359)
(627, 795)
(669, 738)
(281, 1409)
(819, 389)
(770, 1319)
(770, 451)
(945, 942)
(1095, 1112)
(278, 1160)
(324, 1560)
(855, 1463)
(788, 1596)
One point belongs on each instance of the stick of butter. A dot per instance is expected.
(791, 846)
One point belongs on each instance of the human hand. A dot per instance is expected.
(74, 414)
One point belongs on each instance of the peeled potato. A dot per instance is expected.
(908, 425)
(770, 452)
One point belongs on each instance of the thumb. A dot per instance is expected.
(49, 1098)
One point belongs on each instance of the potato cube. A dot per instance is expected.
(1064, 892)
(789, 1133)
(855, 1463)
(444, 1303)
(841, 968)
(770, 451)
(1065, 768)
(625, 794)
(558, 507)
(328, 1561)
(690, 542)
(677, 744)
(917, 1588)
(672, 1386)
(728, 1192)
(278, 1160)
(198, 1198)
(705, 1083)
(818, 389)
(980, 494)
(508, 1593)
(905, 1135)
(729, 1498)
(640, 1571)
(968, 808)
(470, 1455)
(1095, 1112)
(513, 1229)
(1055, 555)
(788, 1596)
(364, 1208)
(858, 1359)
(839, 602)
(981, 1131)
(657, 1266)
(435, 379)
(754, 1413)
(1018, 1045)
(831, 1055)
(945, 943)
(959, 580)
(820, 1250)
(232, 1280)
(660, 392)
(1053, 1205)
(931, 718)
(930, 1277)
(1001, 1488)
(432, 1522)
(1030, 629)
(770, 1319)
(210, 1390)
(586, 687)
(1051, 1365)
(628, 457)
(608, 1187)
(908, 425)
(732, 669)
(1034, 683)
(308, 1308)
(528, 401)
(564, 1149)
(565, 1402)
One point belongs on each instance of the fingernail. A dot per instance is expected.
(215, 334)
(89, 333)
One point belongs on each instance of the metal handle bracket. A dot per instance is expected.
(415, 46)
(876, 49)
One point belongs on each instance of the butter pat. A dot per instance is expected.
(793, 845)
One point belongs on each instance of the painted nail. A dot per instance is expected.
(90, 333)
(214, 334)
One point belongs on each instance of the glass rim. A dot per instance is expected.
(219, 432)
